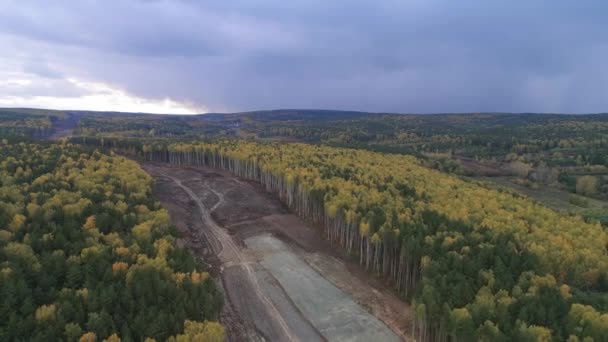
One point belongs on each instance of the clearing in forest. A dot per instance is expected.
(282, 281)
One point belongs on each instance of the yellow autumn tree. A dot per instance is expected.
(201, 332)
(88, 337)
(586, 185)
(46, 313)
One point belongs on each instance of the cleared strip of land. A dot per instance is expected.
(282, 282)
(336, 316)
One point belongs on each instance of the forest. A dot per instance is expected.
(483, 135)
(402, 195)
(86, 253)
(557, 152)
(477, 264)
(27, 122)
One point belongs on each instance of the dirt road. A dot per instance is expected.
(282, 282)
(230, 256)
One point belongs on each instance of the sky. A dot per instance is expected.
(404, 56)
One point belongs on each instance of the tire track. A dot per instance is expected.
(220, 196)
(225, 248)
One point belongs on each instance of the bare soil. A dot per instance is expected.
(483, 168)
(219, 215)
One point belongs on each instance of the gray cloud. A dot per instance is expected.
(398, 56)
(40, 68)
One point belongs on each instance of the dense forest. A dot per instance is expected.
(27, 122)
(87, 254)
(540, 149)
(476, 263)
(472, 135)
(537, 151)
(558, 139)
(151, 126)
(486, 134)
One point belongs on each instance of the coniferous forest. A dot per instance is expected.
(87, 254)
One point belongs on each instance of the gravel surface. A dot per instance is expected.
(335, 315)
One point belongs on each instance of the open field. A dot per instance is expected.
(282, 281)
(550, 196)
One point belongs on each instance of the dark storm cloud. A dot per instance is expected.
(402, 56)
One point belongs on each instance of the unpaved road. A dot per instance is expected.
(282, 282)
(230, 256)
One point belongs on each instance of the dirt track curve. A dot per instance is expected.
(230, 255)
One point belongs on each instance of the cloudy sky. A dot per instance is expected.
(405, 56)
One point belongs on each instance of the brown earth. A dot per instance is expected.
(216, 212)
(484, 168)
